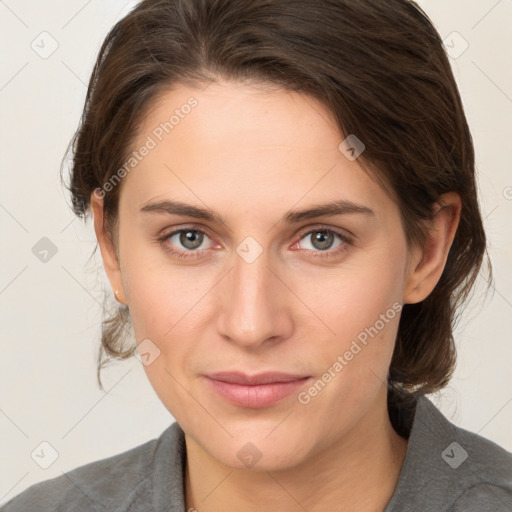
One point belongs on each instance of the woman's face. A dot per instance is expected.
(264, 289)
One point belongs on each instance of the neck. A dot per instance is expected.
(358, 473)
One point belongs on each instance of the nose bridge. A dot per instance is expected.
(252, 312)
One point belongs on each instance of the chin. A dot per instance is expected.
(258, 448)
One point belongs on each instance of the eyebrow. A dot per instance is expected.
(339, 207)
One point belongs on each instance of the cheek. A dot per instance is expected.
(351, 297)
(340, 303)
(357, 311)
(157, 291)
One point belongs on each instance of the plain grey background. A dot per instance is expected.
(51, 310)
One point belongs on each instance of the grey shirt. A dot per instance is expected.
(446, 468)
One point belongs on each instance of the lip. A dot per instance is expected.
(255, 391)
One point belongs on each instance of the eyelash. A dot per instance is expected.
(316, 254)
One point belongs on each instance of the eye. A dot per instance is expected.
(188, 238)
(323, 241)
(187, 242)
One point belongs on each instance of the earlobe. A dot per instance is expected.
(108, 253)
(426, 264)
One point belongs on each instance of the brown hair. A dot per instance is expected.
(378, 65)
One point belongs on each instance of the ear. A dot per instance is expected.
(426, 264)
(108, 254)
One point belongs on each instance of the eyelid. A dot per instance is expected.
(323, 227)
(167, 232)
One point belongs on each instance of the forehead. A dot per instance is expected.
(241, 116)
(242, 141)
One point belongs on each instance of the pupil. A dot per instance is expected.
(324, 239)
(188, 237)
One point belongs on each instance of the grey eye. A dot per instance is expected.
(321, 239)
(188, 238)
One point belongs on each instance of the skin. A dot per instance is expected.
(252, 155)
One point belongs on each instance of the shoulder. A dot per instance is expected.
(484, 496)
(485, 483)
(111, 484)
(449, 468)
(86, 487)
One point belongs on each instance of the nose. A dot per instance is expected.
(255, 304)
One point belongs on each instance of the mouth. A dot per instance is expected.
(255, 391)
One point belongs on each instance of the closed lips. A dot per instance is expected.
(255, 380)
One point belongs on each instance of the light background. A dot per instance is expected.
(51, 312)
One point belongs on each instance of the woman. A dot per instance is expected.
(284, 198)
